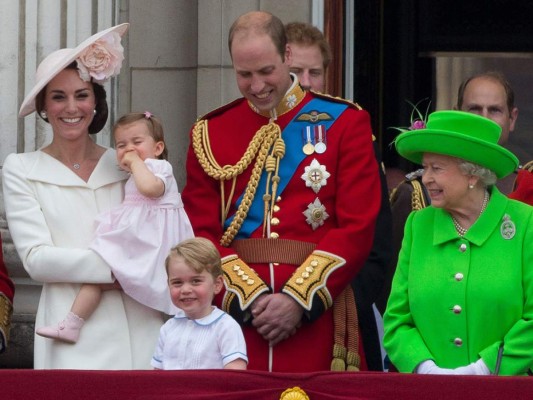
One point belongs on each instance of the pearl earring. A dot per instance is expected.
(43, 114)
(470, 186)
(94, 111)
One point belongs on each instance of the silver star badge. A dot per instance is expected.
(315, 214)
(315, 176)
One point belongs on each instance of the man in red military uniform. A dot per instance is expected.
(523, 187)
(286, 182)
(7, 290)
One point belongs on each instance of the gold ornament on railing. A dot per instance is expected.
(294, 393)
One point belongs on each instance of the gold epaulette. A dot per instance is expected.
(418, 200)
(340, 100)
(418, 195)
(6, 310)
(241, 281)
(221, 109)
(337, 99)
(310, 279)
(393, 194)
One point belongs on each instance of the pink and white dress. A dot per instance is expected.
(136, 237)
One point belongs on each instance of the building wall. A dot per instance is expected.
(29, 30)
(177, 66)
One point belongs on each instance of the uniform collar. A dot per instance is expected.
(292, 98)
(481, 230)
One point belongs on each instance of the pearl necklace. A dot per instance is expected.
(462, 231)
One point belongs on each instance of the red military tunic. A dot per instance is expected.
(327, 201)
(523, 187)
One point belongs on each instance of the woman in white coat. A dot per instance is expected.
(52, 197)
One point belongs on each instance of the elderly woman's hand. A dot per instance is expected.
(476, 368)
(429, 367)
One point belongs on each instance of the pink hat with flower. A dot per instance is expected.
(98, 57)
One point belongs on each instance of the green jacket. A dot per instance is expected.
(454, 299)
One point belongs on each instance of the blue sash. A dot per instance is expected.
(294, 141)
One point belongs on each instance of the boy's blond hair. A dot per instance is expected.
(198, 253)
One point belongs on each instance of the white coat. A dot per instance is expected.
(51, 213)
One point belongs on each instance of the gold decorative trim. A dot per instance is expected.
(311, 277)
(294, 393)
(241, 280)
(314, 117)
(418, 202)
(337, 99)
(6, 311)
(325, 297)
(346, 333)
(528, 166)
(418, 196)
(266, 148)
(227, 300)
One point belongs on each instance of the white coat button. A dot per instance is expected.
(462, 248)
(458, 342)
(457, 309)
(459, 276)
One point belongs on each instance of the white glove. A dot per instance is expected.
(429, 367)
(476, 368)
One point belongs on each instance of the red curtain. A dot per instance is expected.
(334, 33)
(236, 385)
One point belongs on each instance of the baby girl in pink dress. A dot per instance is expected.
(136, 237)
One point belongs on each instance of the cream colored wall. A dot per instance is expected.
(179, 64)
(216, 80)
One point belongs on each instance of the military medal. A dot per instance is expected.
(315, 175)
(320, 146)
(308, 148)
(316, 214)
(507, 228)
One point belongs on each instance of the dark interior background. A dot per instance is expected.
(399, 43)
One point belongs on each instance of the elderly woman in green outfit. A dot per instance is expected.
(462, 295)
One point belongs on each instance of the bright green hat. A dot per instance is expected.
(468, 136)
